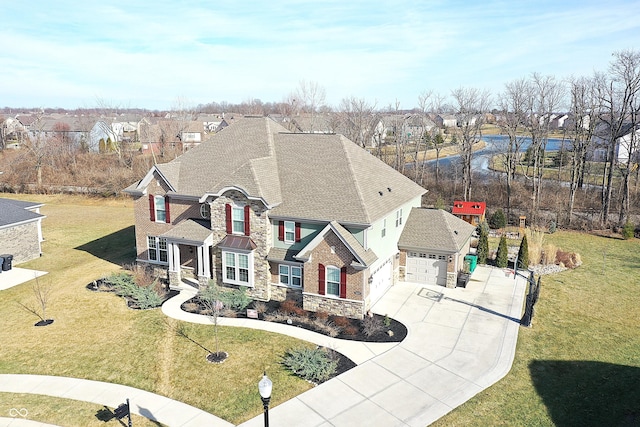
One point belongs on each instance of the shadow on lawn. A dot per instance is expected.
(587, 393)
(117, 248)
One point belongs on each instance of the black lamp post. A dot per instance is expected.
(264, 387)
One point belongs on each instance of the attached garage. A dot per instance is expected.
(426, 268)
(434, 244)
(381, 280)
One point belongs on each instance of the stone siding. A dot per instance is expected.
(260, 234)
(334, 306)
(21, 241)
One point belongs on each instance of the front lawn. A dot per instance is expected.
(95, 335)
(579, 363)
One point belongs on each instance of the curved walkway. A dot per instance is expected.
(460, 341)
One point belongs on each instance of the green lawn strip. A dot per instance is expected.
(63, 412)
(95, 336)
(578, 364)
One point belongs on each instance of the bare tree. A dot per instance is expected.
(470, 106)
(546, 97)
(358, 120)
(312, 98)
(618, 97)
(42, 295)
(583, 110)
(513, 102)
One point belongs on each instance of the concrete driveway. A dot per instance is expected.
(460, 342)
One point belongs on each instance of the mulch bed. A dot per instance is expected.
(101, 285)
(351, 329)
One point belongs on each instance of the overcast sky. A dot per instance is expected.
(157, 54)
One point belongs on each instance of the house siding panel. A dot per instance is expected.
(21, 241)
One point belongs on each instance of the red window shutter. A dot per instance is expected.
(247, 223)
(343, 282)
(152, 208)
(281, 231)
(321, 282)
(166, 210)
(297, 231)
(228, 218)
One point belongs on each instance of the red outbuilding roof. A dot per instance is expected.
(468, 208)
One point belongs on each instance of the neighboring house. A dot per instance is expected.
(311, 217)
(471, 212)
(20, 229)
(446, 120)
(433, 253)
(626, 146)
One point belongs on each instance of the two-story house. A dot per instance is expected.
(311, 217)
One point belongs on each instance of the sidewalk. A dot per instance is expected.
(149, 405)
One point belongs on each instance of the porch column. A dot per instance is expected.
(200, 262)
(174, 263)
(206, 261)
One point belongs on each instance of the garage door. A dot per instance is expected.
(426, 268)
(381, 280)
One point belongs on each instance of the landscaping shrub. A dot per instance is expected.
(351, 330)
(628, 231)
(549, 254)
(322, 315)
(483, 245)
(371, 325)
(341, 321)
(523, 254)
(260, 307)
(291, 307)
(311, 364)
(535, 240)
(502, 255)
(147, 297)
(552, 227)
(235, 299)
(568, 259)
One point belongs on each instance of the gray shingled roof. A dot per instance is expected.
(434, 229)
(302, 176)
(15, 212)
(192, 230)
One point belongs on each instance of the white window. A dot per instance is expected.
(333, 281)
(237, 217)
(237, 268)
(205, 210)
(384, 228)
(161, 214)
(398, 217)
(289, 231)
(290, 275)
(157, 249)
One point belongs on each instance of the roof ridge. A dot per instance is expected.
(356, 182)
(448, 225)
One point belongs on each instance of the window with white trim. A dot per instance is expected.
(333, 281)
(290, 275)
(237, 218)
(289, 231)
(205, 211)
(237, 268)
(398, 217)
(160, 214)
(157, 249)
(384, 228)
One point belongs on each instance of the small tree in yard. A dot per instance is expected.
(523, 254)
(502, 256)
(211, 298)
(483, 245)
(42, 295)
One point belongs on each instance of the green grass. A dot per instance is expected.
(579, 363)
(64, 412)
(95, 336)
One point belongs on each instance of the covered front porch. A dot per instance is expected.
(189, 252)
